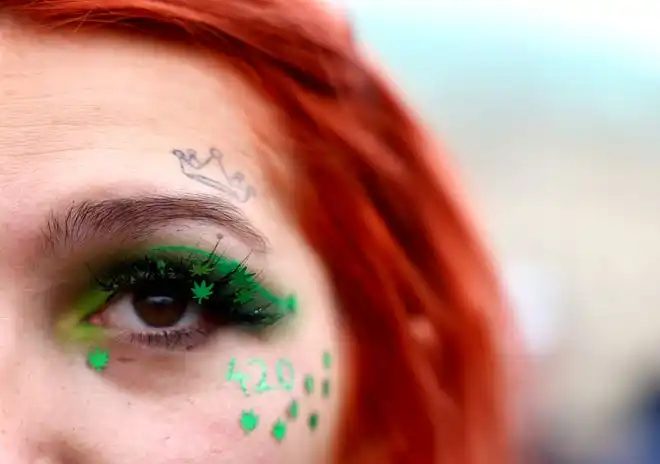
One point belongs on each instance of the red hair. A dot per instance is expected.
(374, 198)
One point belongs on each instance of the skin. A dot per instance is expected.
(96, 116)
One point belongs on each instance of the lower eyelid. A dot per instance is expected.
(170, 340)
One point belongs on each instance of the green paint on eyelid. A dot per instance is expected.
(227, 266)
(201, 269)
(71, 329)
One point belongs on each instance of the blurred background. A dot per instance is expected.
(551, 111)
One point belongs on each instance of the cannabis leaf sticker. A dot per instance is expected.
(249, 421)
(201, 269)
(98, 359)
(202, 291)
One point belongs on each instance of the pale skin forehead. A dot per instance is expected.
(96, 117)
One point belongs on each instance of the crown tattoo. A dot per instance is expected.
(234, 184)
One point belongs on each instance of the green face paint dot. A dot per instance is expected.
(279, 430)
(98, 359)
(309, 384)
(313, 421)
(293, 410)
(327, 360)
(249, 421)
(325, 388)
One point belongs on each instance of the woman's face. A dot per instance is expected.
(113, 146)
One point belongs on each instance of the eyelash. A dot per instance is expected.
(237, 299)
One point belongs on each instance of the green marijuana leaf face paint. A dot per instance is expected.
(200, 269)
(202, 291)
(325, 388)
(238, 273)
(327, 360)
(98, 359)
(249, 421)
(279, 430)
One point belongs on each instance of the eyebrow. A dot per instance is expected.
(138, 217)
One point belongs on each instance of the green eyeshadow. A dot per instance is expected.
(227, 266)
(71, 328)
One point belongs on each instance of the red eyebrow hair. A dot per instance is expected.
(377, 201)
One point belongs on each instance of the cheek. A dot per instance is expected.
(220, 423)
(189, 409)
(194, 431)
(202, 439)
(212, 430)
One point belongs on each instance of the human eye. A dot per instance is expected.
(177, 297)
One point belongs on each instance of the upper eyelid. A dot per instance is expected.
(285, 302)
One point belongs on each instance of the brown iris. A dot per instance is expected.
(159, 306)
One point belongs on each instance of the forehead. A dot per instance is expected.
(58, 87)
(84, 115)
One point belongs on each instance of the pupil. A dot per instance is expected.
(159, 306)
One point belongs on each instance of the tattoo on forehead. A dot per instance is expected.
(234, 185)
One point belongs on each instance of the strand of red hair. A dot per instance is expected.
(375, 199)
